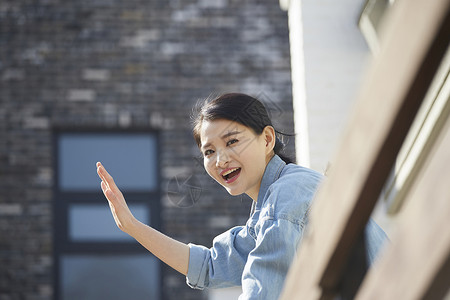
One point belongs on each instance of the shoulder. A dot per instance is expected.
(294, 178)
(291, 194)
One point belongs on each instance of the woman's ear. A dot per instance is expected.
(269, 138)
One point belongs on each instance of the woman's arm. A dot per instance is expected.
(170, 251)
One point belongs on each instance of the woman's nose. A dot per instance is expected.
(222, 159)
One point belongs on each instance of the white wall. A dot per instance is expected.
(329, 57)
(328, 67)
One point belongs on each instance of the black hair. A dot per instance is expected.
(240, 108)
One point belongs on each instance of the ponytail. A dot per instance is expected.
(278, 149)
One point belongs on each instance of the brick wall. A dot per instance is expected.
(124, 65)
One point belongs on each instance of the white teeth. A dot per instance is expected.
(229, 171)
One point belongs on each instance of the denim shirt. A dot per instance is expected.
(259, 254)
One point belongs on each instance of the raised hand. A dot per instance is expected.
(170, 251)
(119, 208)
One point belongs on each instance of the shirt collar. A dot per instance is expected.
(271, 174)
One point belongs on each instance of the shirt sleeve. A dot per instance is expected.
(268, 263)
(375, 238)
(221, 265)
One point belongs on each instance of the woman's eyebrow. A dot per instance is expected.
(205, 146)
(230, 133)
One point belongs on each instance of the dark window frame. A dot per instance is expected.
(61, 242)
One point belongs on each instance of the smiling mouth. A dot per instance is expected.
(231, 174)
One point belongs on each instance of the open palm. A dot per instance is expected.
(119, 208)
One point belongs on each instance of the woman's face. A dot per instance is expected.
(235, 156)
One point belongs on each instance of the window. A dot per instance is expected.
(94, 259)
(370, 21)
(422, 136)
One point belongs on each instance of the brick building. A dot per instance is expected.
(78, 75)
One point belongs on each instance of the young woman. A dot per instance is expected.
(243, 154)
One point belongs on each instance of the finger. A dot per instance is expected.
(110, 196)
(103, 186)
(103, 179)
(107, 178)
(104, 189)
(99, 172)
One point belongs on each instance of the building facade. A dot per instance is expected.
(115, 81)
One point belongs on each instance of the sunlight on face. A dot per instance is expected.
(234, 156)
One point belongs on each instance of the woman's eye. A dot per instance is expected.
(208, 152)
(231, 142)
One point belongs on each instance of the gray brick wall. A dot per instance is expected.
(123, 65)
